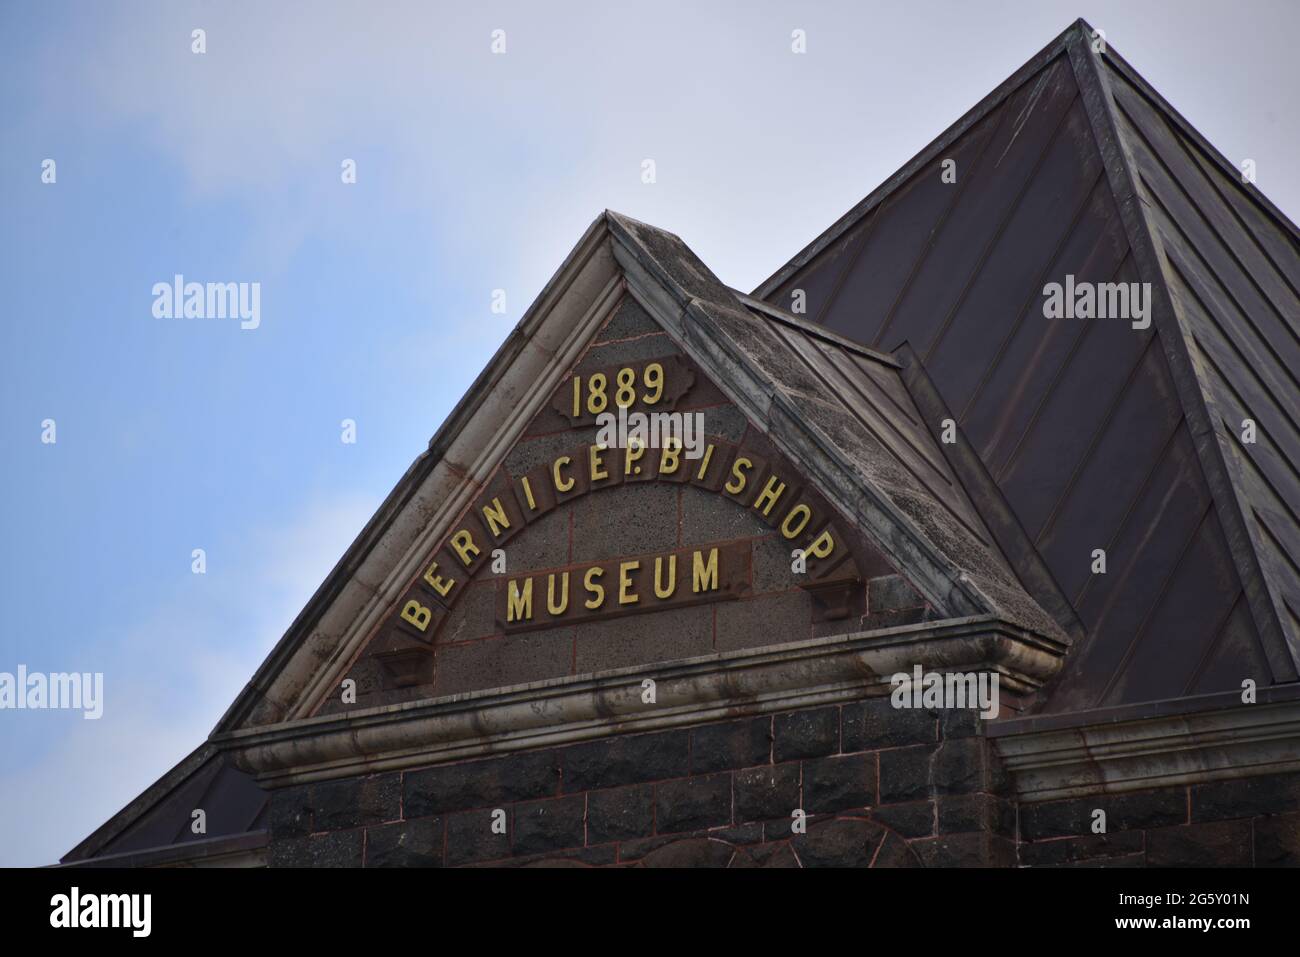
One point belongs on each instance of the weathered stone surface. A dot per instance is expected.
(751, 833)
(291, 812)
(406, 844)
(1244, 797)
(635, 850)
(763, 620)
(336, 849)
(876, 723)
(839, 783)
(627, 520)
(766, 792)
(550, 825)
(774, 856)
(692, 852)
(475, 612)
(916, 819)
(605, 855)
(631, 350)
(806, 734)
(630, 759)
(976, 812)
(1076, 849)
(470, 837)
(618, 814)
(961, 766)
(1277, 841)
(844, 842)
(503, 661)
(1215, 844)
(896, 852)
(628, 321)
(966, 850)
(891, 593)
(731, 744)
(905, 774)
(644, 639)
(1124, 812)
(692, 803)
(772, 572)
(1123, 861)
(960, 723)
(560, 862)
(491, 782)
(356, 802)
(707, 517)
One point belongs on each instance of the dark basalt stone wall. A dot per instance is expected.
(880, 787)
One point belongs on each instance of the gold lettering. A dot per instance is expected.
(417, 614)
(738, 469)
(771, 492)
(597, 471)
(654, 380)
(823, 546)
(463, 543)
(437, 582)
(597, 591)
(528, 493)
(789, 532)
(672, 453)
(633, 455)
(519, 605)
(561, 485)
(496, 517)
(625, 596)
(662, 591)
(551, 606)
(704, 462)
(705, 577)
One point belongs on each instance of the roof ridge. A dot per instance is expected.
(818, 332)
(1177, 341)
(1027, 71)
(1170, 112)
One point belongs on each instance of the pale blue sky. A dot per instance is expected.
(475, 172)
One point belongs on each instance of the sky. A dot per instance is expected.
(475, 172)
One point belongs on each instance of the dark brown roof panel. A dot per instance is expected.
(1083, 433)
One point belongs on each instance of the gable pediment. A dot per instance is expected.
(808, 500)
(677, 522)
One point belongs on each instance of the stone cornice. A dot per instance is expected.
(568, 710)
(1104, 754)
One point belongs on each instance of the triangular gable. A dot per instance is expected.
(405, 613)
(1093, 435)
(387, 555)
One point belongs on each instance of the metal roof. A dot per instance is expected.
(1088, 433)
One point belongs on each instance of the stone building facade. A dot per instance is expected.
(896, 471)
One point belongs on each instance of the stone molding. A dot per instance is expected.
(1127, 751)
(688, 692)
